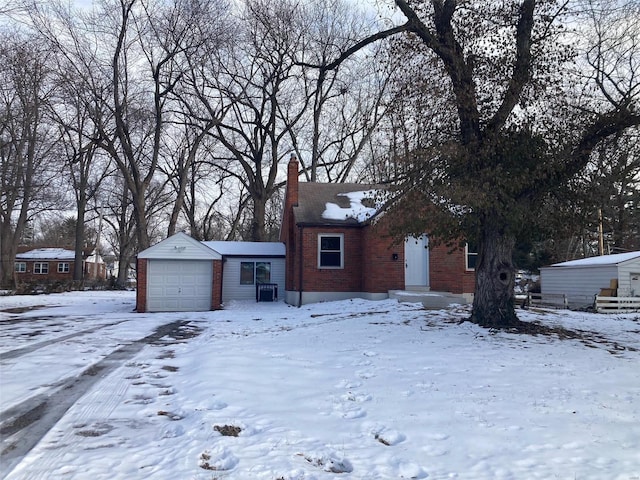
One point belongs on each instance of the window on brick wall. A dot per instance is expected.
(471, 255)
(330, 251)
(63, 267)
(21, 267)
(41, 268)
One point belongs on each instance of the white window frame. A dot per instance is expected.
(254, 279)
(21, 267)
(320, 251)
(41, 268)
(253, 273)
(62, 269)
(468, 253)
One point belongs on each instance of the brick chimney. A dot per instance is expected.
(292, 182)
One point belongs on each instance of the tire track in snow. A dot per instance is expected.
(24, 425)
(18, 352)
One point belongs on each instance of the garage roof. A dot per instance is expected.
(601, 260)
(247, 249)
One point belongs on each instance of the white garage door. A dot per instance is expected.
(179, 285)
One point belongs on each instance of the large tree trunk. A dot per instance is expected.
(8, 249)
(257, 222)
(493, 302)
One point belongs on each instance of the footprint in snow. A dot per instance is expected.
(389, 437)
(218, 459)
(328, 461)
(349, 412)
(356, 397)
(344, 383)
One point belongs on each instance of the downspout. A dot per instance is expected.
(300, 250)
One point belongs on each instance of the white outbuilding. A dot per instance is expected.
(581, 280)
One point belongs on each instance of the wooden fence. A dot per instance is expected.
(547, 300)
(617, 304)
(601, 303)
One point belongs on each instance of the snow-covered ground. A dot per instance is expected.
(341, 390)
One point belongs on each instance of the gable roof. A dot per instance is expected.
(180, 246)
(247, 249)
(47, 254)
(336, 204)
(614, 259)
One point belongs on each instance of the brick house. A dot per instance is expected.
(46, 265)
(335, 250)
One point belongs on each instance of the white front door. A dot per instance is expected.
(416, 258)
(179, 285)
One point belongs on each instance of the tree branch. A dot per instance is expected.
(521, 69)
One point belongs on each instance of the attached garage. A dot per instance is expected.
(580, 280)
(179, 274)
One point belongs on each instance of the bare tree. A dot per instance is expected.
(345, 105)
(72, 112)
(259, 80)
(27, 167)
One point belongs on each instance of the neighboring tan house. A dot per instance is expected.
(338, 247)
(54, 264)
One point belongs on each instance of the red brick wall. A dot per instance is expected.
(141, 285)
(382, 272)
(216, 294)
(347, 279)
(447, 271)
(53, 275)
(368, 262)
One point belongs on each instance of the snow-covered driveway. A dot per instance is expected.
(51, 360)
(342, 390)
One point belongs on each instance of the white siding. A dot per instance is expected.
(231, 288)
(580, 284)
(180, 247)
(625, 271)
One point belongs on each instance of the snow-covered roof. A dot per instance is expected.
(356, 209)
(601, 260)
(247, 249)
(339, 204)
(47, 254)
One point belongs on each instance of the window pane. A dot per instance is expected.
(263, 272)
(246, 273)
(471, 261)
(330, 259)
(330, 243)
(41, 268)
(21, 267)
